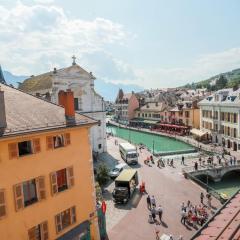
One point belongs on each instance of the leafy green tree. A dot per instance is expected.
(102, 175)
(221, 82)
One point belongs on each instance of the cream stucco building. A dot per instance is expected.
(219, 116)
(86, 100)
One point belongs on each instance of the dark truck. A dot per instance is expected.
(125, 184)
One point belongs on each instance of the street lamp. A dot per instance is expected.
(153, 145)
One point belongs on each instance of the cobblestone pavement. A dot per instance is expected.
(168, 186)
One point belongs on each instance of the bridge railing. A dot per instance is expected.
(210, 167)
(209, 189)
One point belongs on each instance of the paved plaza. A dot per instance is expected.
(170, 189)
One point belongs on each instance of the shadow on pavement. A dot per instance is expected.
(108, 159)
(107, 195)
(132, 203)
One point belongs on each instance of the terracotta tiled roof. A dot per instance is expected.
(226, 224)
(26, 113)
(45, 81)
(154, 107)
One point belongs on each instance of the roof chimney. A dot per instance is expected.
(66, 100)
(3, 121)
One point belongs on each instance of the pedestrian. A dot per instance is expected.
(196, 166)
(183, 216)
(182, 206)
(188, 203)
(171, 163)
(148, 202)
(201, 197)
(153, 213)
(182, 162)
(200, 161)
(160, 212)
(153, 201)
(231, 161)
(151, 158)
(234, 160)
(219, 160)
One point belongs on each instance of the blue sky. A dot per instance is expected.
(150, 43)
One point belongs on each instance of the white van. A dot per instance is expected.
(117, 170)
(128, 153)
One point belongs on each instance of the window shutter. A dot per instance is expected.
(36, 145)
(54, 186)
(67, 139)
(41, 191)
(73, 215)
(18, 193)
(44, 231)
(2, 203)
(13, 150)
(70, 177)
(58, 222)
(49, 140)
(32, 233)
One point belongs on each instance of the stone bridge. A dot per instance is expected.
(213, 172)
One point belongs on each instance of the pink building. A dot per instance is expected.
(125, 106)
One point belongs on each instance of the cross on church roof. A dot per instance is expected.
(74, 60)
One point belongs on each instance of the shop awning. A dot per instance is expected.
(150, 121)
(137, 120)
(172, 126)
(198, 132)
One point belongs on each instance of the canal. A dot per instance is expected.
(229, 184)
(165, 145)
(155, 143)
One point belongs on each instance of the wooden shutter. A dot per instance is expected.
(70, 177)
(73, 215)
(2, 203)
(49, 142)
(32, 233)
(41, 191)
(67, 139)
(54, 186)
(36, 145)
(13, 150)
(18, 194)
(44, 231)
(58, 223)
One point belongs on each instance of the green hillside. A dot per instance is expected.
(224, 80)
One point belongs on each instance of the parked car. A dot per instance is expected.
(117, 170)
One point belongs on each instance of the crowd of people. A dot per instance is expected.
(194, 215)
(155, 212)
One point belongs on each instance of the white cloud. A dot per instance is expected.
(34, 38)
(204, 67)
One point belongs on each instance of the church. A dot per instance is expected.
(86, 100)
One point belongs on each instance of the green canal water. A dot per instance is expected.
(160, 144)
(228, 185)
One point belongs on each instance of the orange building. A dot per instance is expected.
(46, 173)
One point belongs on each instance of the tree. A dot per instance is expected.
(221, 82)
(102, 175)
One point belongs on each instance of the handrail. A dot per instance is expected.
(213, 192)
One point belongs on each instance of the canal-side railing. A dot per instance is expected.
(209, 189)
(210, 149)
